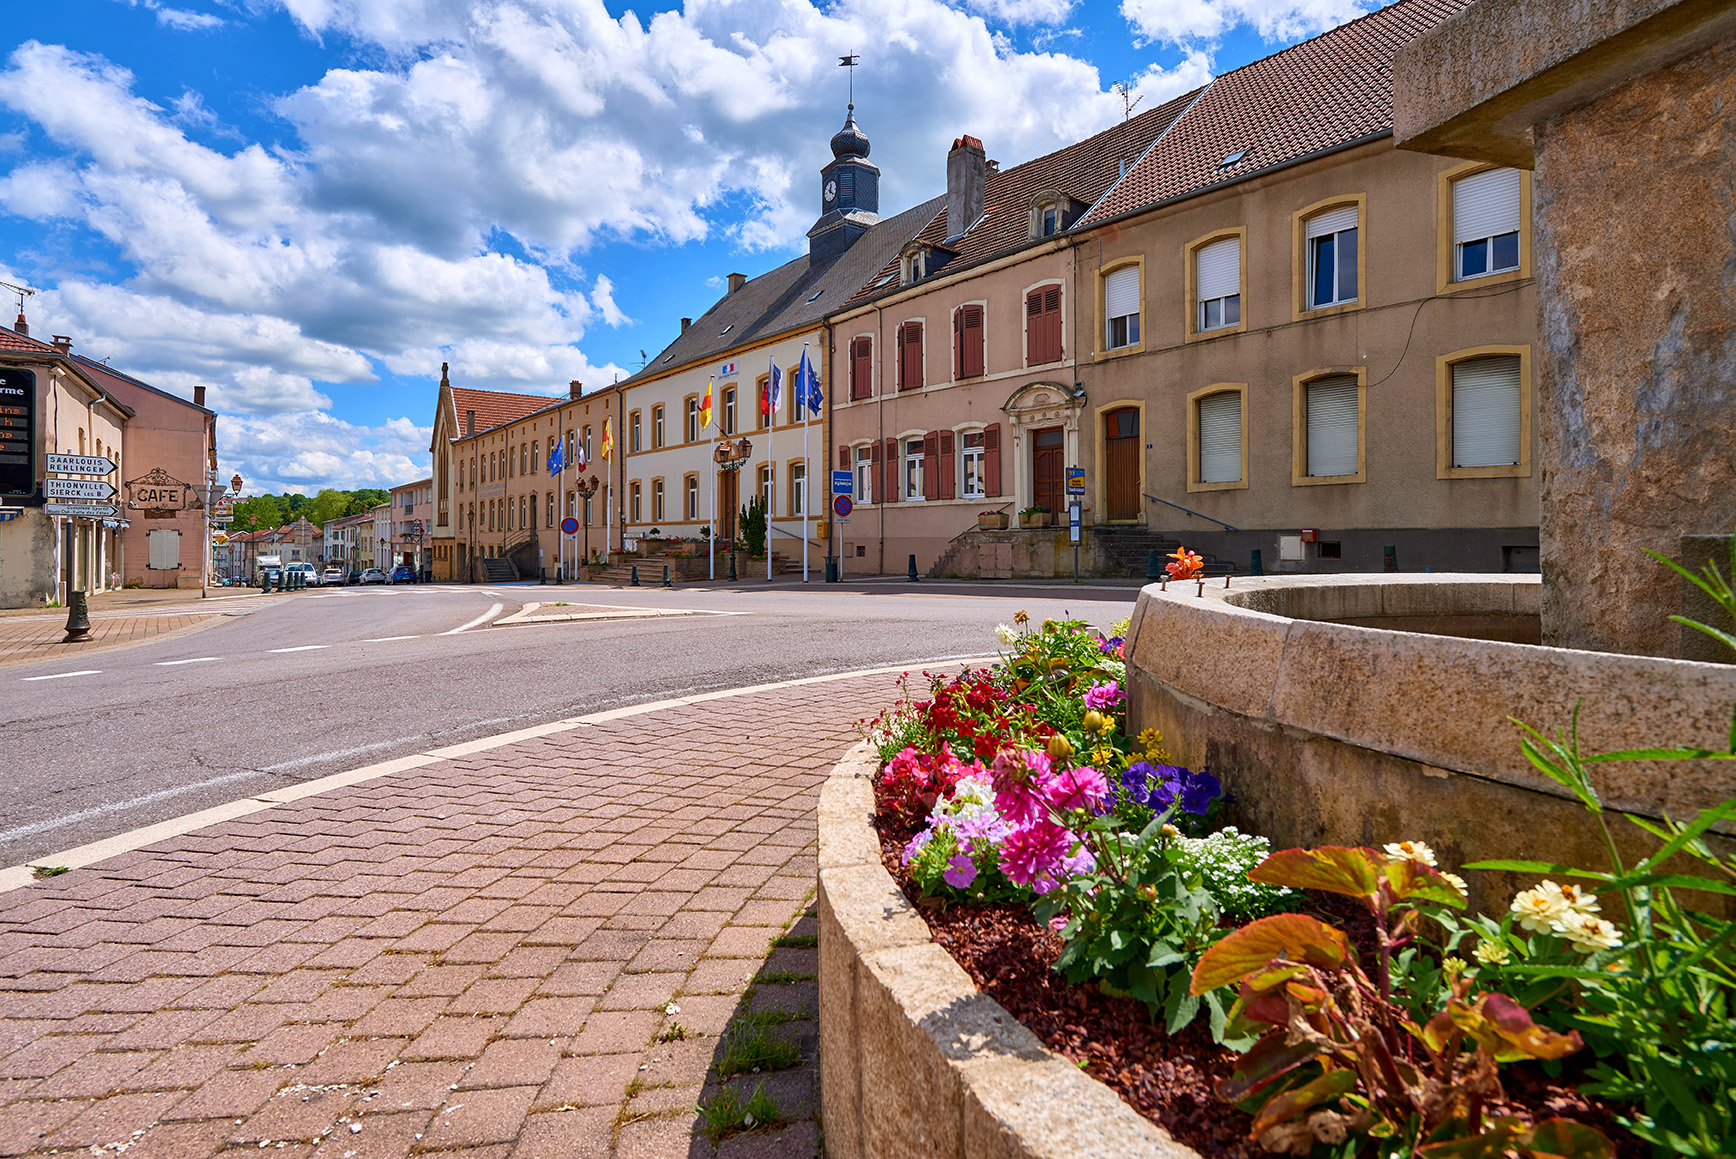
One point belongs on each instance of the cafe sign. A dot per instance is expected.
(157, 490)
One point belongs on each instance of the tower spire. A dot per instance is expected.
(850, 63)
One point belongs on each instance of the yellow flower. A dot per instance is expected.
(1588, 932)
(1096, 722)
(1492, 954)
(1060, 748)
(1410, 851)
(1540, 908)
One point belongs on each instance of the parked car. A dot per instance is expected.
(309, 573)
(355, 575)
(403, 574)
(333, 576)
(373, 575)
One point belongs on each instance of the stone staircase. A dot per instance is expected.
(499, 570)
(1129, 550)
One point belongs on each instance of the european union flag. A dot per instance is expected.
(808, 386)
(557, 462)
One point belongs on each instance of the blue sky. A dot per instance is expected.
(310, 204)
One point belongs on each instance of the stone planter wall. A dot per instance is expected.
(914, 1059)
(1327, 732)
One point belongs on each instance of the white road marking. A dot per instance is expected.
(493, 611)
(389, 639)
(300, 648)
(64, 675)
(120, 806)
(193, 660)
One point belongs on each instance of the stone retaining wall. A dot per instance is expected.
(914, 1059)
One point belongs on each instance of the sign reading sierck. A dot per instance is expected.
(158, 490)
(17, 431)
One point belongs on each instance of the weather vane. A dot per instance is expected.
(850, 63)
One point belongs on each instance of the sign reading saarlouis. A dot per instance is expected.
(78, 464)
(158, 490)
(17, 431)
(95, 490)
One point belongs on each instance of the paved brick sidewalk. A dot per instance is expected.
(23, 641)
(474, 958)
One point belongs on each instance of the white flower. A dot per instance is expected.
(672, 1009)
(1410, 851)
(1492, 953)
(1005, 635)
(1588, 932)
(1540, 909)
(1577, 898)
(1457, 883)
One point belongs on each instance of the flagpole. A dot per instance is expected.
(771, 462)
(807, 468)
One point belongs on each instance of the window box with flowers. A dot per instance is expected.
(991, 520)
(1035, 515)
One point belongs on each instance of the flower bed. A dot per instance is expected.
(1333, 1001)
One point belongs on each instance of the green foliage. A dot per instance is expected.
(1716, 585)
(750, 1045)
(752, 525)
(1222, 861)
(724, 1113)
(263, 512)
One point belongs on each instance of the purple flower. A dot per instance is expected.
(1133, 779)
(960, 872)
(1104, 696)
(1198, 791)
(1111, 646)
(1164, 787)
(917, 844)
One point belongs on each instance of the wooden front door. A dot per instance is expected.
(726, 503)
(1121, 464)
(1048, 470)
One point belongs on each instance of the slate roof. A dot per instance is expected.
(494, 407)
(784, 299)
(101, 371)
(1324, 92)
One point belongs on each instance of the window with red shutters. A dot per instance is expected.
(931, 465)
(967, 342)
(889, 460)
(843, 458)
(948, 470)
(861, 368)
(879, 472)
(992, 459)
(1043, 325)
(910, 356)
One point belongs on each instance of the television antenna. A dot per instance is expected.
(1129, 102)
(21, 291)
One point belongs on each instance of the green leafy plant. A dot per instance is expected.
(724, 1113)
(1336, 1056)
(752, 1046)
(752, 525)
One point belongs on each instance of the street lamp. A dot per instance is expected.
(586, 489)
(730, 456)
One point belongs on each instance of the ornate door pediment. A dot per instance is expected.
(1044, 404)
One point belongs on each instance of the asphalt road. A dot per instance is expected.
(327, 681)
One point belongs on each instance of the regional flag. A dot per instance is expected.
(608, 438)
(705, 406)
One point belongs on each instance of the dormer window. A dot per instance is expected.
(1052, 212)
(912, 263)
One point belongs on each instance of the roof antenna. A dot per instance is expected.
(1129, 102)
(850, 62)
(21, 326)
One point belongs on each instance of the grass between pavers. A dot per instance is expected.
(750, 1045)
(725, 1114)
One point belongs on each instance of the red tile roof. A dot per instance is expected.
(494, 407)
(1082, 170)
(1324, 92)
(12, 340)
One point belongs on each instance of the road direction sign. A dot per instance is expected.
(81, 510)
(93, 490)
(77, 464)
(569, 526)
(841, 506)
(843, 483)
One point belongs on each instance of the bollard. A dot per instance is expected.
(1391, 558)
(732, 566)
(634, 581)
(77, 617)
(912, 577)
(559, 573)
(1153, 565)
(1255, 567)
(831, 569)
(542, 575)
(666, 582)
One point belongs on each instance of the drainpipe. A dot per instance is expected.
(880, 427)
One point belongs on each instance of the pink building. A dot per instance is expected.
(412, 522)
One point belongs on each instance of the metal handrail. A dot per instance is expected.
(1190, 511)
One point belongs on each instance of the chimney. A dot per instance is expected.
(966, 173)
(63, 343)
(198, 395)
(575, 388)
(685, 323)
(21, 325)
(736, 282)
(469, 423)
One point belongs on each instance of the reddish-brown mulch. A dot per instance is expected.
(1167, 1078)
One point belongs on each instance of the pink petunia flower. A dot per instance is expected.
(1033, 850)
(960, 872)
(1104, 696)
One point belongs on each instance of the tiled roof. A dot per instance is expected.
(1082, 171)
(12, 340)
(494, 407)
(793, 295)
(108, 377)
(1328, 91)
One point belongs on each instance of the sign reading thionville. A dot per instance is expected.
(158, 490)
(81, 510)
(77, 464)
(95, 490)
(17, 431)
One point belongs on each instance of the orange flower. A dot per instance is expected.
(1187, 564)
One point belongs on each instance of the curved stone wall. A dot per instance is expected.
(914, 1059)
(1333, 733)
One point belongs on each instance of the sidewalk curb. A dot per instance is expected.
(18, 876)
(89, 647)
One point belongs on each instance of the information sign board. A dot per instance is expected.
(1075, 480)
(17, 431)
(1073, 523)
(843, 483)
(78, 464)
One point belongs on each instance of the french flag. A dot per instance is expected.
(727, 369)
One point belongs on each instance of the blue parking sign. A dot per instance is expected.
(843, 483)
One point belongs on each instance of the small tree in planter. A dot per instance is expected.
(753, 525)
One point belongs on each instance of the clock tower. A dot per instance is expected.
(849, 194)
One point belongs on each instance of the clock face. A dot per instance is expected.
(831, 190)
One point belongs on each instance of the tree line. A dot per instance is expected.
(262, 512)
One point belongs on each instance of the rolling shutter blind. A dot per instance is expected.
(1332, 422)
(1333, 220)
(1218, 273)
(1486, 412)
(1221, 438)
(1486, 205)
(1121, 292)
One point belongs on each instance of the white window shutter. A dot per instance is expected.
(1121, 292)
(1218, 273)
(1485, 205)
(1332, 221)
(1332, 422)
(164, 549)
(1221, 438)
(1486, 412)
